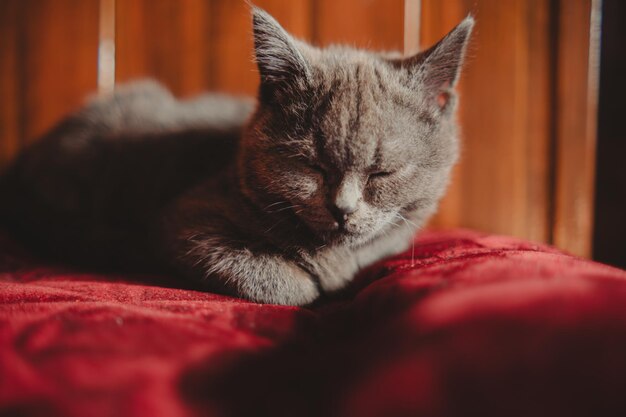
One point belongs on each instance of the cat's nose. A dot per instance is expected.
(341, 214)
(346, 198)
(344, 209)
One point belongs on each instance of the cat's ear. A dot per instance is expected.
(277, 54)
(437, 68)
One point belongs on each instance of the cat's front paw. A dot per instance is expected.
(287, 286)
(335, 268)
(335, 279)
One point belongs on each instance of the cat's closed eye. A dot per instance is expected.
(317, 169)
(380, 174)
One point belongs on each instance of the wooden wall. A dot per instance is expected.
(528, 111)
(48, 63)
(528, 92)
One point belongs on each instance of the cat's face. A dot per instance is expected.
(350, 141)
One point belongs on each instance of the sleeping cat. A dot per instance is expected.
(344, 156)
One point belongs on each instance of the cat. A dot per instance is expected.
(343, 156)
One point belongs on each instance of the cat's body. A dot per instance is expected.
(91, 189)
(346, 154)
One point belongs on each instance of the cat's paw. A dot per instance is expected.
(338, 276)
(292, 286)
(335, 282)
(335, 269)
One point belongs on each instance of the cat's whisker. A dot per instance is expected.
(394, 223)
(198, 262)
(275, 224)
(408, 222)
(275, 204)
(285, 208)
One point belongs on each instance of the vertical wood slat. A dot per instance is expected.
(106, 47)
(48, 54)
(373, 24)
(9, 85)
(58, 58)
(502, 182)
(412, 18)
(577, 102)
(233, 69)
(165, 40)
(196, 45)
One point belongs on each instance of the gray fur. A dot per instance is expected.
(346, 154)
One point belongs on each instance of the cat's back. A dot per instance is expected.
(146, 106)
(88, 189)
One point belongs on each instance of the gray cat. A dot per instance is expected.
(344, 157)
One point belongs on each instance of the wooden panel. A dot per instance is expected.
(48, 64)
(196, 45)
(9, 82)
(503, 181)
(233, 68)
(58, 51)
(412, 18)
(106, 50)
(165, 40)
(577, 86)
(372, 24)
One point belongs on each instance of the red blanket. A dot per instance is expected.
(466, 324)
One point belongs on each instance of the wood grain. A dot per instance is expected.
(577, 96)
(412, 20)
(233, 69)
(48, 64)
(502, 184)
(106, 48)
(10, 137)
(196, 45)
(58, 49)
(164, 40)
(372, 24)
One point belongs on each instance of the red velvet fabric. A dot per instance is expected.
(466, 324)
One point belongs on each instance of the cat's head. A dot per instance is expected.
(349, 140)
